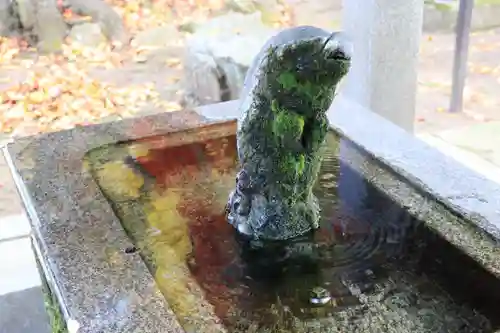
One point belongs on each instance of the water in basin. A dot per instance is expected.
(367, 269)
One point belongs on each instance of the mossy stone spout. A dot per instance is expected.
(282, 130)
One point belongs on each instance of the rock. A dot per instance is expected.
(101, 12)
(218, 55)
(158, 37)
(189, 27)
(88, 34)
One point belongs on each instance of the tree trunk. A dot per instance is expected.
(8, 22)
(43, 24)
(26, 11)
(50, 28)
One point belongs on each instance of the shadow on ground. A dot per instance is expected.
(23, 312)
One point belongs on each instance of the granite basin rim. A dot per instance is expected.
(65, 207)
(54, 193)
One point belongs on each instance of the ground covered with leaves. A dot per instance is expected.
(88, 84)
(57, 91)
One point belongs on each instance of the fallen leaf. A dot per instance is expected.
(485, 70)
(60, 93)
(36, 97)
(140, 59)
(173, 62)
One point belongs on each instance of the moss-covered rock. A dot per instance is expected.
(286, 95)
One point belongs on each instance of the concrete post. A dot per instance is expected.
(386, 37)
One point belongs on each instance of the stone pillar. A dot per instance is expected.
(386, 37)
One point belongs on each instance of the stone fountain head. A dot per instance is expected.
(286, 95)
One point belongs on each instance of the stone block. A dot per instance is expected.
(218, 55)
(88, 34)
(157, 37)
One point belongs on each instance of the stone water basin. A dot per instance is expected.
(376, 262)
(129, 228)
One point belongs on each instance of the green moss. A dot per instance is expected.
(318, 133)
(293, 166)
(288, 162)
(301, 164)
(280, 137)
(56, 319)
(289, 125)
(302, 78)
(287, 80)
(57, 323)
(274, 106)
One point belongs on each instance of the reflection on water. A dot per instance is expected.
(358, 273)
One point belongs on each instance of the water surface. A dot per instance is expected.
(365, 270)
